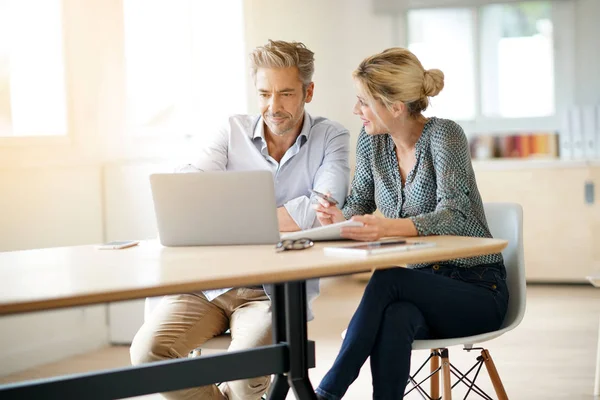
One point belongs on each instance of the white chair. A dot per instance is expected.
(505, 221)
(216, 344)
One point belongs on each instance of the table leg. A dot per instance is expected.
(295, 309)
(279, 387)
(597, 378)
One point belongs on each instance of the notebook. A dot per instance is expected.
(376, 248)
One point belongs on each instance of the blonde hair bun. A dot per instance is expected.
(433, 82)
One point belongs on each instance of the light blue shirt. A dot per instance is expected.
(318, 160)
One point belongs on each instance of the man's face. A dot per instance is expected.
(281, 99)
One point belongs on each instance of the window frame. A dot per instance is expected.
(563, 17)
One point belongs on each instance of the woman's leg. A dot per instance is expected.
(390, 358)
(450, 307)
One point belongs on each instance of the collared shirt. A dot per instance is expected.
(440, 194)
(318, 160)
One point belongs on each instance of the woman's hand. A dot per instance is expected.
(374, 228)
(328, 213)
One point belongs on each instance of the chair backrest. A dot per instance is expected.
(505, 221)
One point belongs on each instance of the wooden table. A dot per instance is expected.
(37, 280)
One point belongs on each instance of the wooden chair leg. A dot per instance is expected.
(446, 375)
(494, 377)
(434, 364)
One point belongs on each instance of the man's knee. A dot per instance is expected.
(148, 347)
(252, 388)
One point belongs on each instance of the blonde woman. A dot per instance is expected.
(417, 171)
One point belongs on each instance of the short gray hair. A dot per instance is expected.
(280, 54)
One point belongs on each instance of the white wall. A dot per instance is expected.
(587, 52)
(50, 206)
(28, 340)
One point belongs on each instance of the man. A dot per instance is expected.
(303, 152)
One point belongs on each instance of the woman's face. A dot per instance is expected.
(375, 116)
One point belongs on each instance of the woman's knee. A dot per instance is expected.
(403, 317)
(402, 310)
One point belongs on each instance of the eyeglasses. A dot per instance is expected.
(298, 244)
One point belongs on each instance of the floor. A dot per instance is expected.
(551, 355)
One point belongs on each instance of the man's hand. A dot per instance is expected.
(328, 213)
(374, 228)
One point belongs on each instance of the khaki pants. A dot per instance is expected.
(181, 323)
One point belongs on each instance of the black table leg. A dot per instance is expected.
(279, 387)
(295, 310)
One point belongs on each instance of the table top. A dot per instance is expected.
(42, 279)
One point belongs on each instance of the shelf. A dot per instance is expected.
(530, 163)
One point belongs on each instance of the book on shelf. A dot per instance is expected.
(523, 145)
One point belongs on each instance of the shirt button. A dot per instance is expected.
(494, 287)
(436, 267)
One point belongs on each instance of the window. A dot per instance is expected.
(443, 39)
(498, 60)
(185, 68)
(32, 81)
(517, 60)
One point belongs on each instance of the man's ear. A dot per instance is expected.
(398, 108)
(310, 89)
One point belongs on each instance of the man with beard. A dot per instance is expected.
(303, 152)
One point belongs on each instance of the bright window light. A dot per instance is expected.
(185, 65)
(32, 77)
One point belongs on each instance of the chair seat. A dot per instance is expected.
(443, 343)
(465, 341)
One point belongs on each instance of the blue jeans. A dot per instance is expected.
(400, 305)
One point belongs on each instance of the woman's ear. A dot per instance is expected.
(398, 109)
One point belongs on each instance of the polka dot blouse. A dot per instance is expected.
(440, 194)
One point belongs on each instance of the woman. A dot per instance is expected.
(417, 171)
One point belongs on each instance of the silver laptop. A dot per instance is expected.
(215, 208)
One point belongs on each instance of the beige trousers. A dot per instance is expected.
(181, 323)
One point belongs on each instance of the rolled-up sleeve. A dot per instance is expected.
(361, 200)
(332, 176)
(213, 152)
(454, 177)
